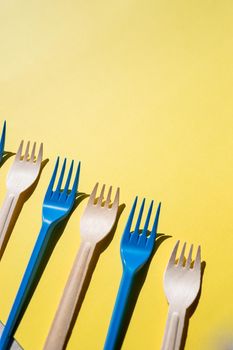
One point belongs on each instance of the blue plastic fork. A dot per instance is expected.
(56, 207)
(136, 249)
(2, 141)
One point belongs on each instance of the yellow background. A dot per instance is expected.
(141, 93)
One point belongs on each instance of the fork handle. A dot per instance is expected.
(174, 329)
(23, 294)
(119, 311)
(6, 214)
(66, 309)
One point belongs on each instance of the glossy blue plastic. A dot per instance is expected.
(136, 249)
(56, 207)
(2, 141)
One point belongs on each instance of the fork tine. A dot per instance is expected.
(136, 230)
(107, 202)
(40, 154)
(115, 203)
(151, 239)
(93, 195)
(65, 193)
(143, 236)
(58, 188)
(131, 215)
(26, 151)
(197, 262)
(19, 152)
(144, 232)
(75, 183)
(100, 199)
(3, 132)
(172, 259)
(181, 259)
(126, 234)
(51, 184)
(33, 152)
(189, 259)
(155, 224)
(2, 142)
(153, 234)
(67, 184)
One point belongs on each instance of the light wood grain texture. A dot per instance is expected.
(96, 222)
(23, 173)
(181, 284)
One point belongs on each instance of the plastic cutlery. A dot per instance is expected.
(96, 222)
(2, 141)
(136, 250)
(57, 205)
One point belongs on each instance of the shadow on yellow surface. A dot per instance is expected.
(5, 157)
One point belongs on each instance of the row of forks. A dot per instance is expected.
(181, 280)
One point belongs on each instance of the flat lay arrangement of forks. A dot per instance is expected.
(182, 277)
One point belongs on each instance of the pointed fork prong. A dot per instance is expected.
(51, 183)
(172, 259)
(2, 141)
(32, 158)
(67, 184)
(76, 179)
(72, 195)
(136, 230)
(181, 259)
(108, 200)
(126, 235)
(197, 262)
(115, 203)
(101, 196)
(143, 238)
(152, 237)
(26, 154)
(145, 229)
(58, 188)
(40, 154)
(92, 197)
(189, 259)
(156, 221)
(19, 152)
(131, 215)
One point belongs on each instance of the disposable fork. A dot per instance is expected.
(136, 249)
(2, 141)
(96, 222)
(181, 284)
(22, 174)
(57, 205)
